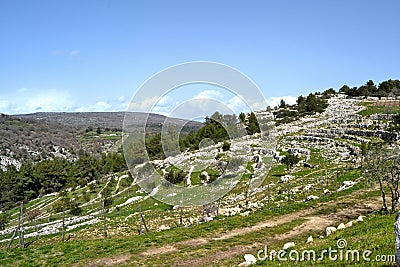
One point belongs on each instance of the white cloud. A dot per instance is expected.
(4, 105)
(165, 105)
(113, 105)
(97, 107)
(207, 102)
(74, 53)
(26, 100)
(65, 53)
(143, 105)
(162, 105)
(209, 94)
(237, 105)
(274, 101)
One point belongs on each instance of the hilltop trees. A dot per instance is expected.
(215, 128)
(282, 104)
(384, 89)
(305, 106)
(252, 125)
(218, 127)
(242, 117)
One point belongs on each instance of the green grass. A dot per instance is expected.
(87, 244)
(49, 251)
(375, 233)
(377, 109)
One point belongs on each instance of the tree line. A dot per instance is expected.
(305, 105)
(384, 89)
(52, 175)
(218, 128)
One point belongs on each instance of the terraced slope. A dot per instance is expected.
(326, 188)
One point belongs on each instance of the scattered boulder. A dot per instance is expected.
(309, 198)
(229, 211)
(346, 184)
(207, 219)
(163, 227)
(329, 230)
(309, 239)
(360, 218)
(341, 226)
(288, 245)
(349, 224)
(249, 259)
(188, 181)
(307, 187)
(286, 178)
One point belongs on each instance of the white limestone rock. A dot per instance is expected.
(329, 230)
(288, 245)
(341, 226)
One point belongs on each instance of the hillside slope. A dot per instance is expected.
(325, 189)
(47, 135)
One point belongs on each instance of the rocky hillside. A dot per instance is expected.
(102, 120)
(323, 196)
(47, 135)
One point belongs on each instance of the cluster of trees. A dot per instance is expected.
(218, 127)
(48, 176)
(214, 128)
(384, 89)
(100, 130)
(290, 161)
(305, 106)
(311, 104)
(250, 122)
(175, 175)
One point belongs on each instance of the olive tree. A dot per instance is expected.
(382, 164)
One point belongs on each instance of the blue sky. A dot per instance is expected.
(93, 55)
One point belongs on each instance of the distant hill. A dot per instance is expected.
(46, 135)
(110, 120)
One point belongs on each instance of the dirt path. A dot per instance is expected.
(353, 207)
(313, 224)
(270, 223)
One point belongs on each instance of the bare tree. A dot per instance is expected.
(64, 202)
(32, 217)
(104, 218)
(142, 222)
(382, 164)
(21, 225)
(105, 202)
